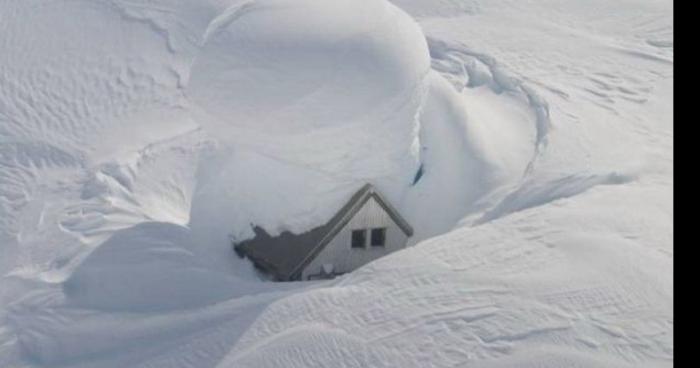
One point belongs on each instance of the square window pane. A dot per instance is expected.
(359, 238)
(378, 237)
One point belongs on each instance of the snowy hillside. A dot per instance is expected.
(138, 137)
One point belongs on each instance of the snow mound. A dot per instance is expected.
(307, 101)
(311, 84)
(146, 267)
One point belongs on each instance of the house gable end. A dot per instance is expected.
(287, 255)
(338, 250)
(330, 235)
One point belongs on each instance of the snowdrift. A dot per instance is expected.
(151, 266)
(137, 138)
(307, 104)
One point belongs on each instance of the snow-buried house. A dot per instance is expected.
(365, 228)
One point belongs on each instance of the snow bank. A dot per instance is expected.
(577, 290)
(151, 266)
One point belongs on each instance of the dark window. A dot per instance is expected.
(378, 237)
(358, 238)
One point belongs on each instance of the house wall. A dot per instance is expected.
(345, 258)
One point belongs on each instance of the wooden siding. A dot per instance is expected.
(345, 258)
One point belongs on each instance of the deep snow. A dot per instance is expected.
(138, 137)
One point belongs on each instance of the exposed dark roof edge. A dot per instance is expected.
(343, 217)
(264, 265)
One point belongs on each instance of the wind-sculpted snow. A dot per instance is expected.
(491, 295)
(119, 275)
(305, 94)
(138, 137)
(262, 70)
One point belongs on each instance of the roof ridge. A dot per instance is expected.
(393, 213)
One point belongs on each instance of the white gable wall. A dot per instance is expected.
(345, 258)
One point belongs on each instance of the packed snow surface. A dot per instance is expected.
(139, 137)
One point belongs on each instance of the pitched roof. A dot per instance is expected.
(285, 256)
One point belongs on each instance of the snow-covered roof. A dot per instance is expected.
(285, 256)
